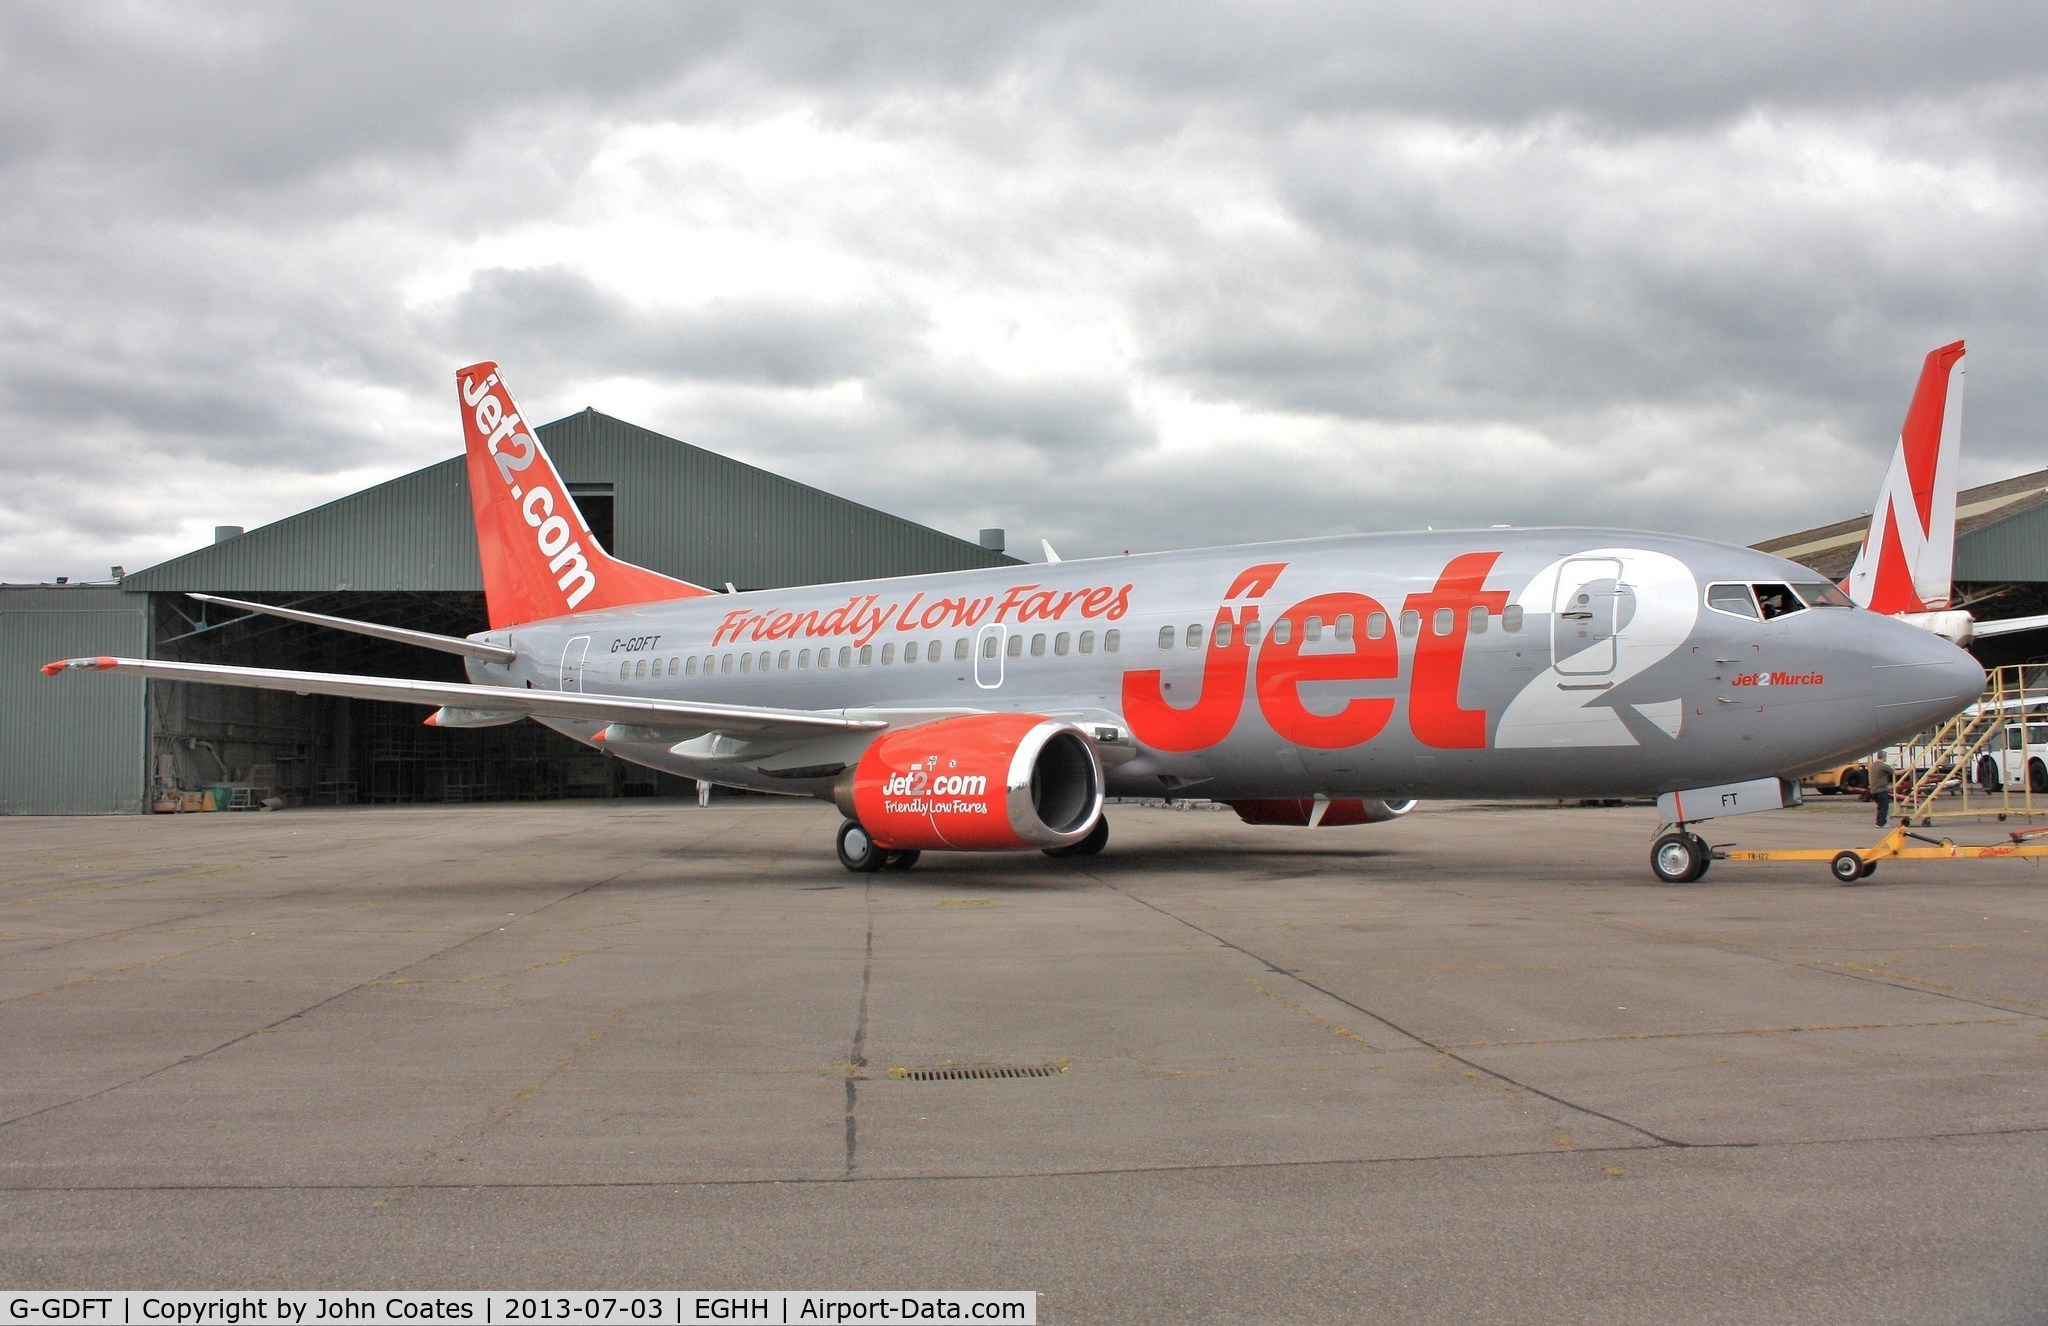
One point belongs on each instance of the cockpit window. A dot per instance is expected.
(1777, 600)
(1732, 599)
(1823, 595)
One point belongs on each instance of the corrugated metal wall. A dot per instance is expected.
(70, 745)
(680, 510)
(2012, 549)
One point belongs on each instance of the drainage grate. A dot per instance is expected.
(979, 1072)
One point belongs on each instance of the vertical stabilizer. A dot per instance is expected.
(1909, 553)
(539, 558)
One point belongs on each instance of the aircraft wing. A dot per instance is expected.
(480, 705)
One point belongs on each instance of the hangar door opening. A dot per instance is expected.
(327, 750)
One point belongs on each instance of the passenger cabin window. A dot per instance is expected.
(746, 662)
(1312, 630)
(988, 645)
(932, 652)
(1112, 641)
(1344, 628)
(867, 655)
(1166, 637)
(1038, 646)
(846, 656)
(1442, 620)
(1283, 631)
(1511, 617)
(626, 670)
(690, 667)
(1375, 625)
(1735, 600)
(960, 650)
(1087, 642)
(803, 661)
(1015, 649)
(888, 654)
(1222, 636)
(1476, 620)
(1061, 643)
(1194, 637)
(1411, 622)
(1251, 634)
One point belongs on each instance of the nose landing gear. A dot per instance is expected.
(1680, 857)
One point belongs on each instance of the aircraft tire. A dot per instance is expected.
(901, 860)
(1092, 845)
(857, 851)
(1847, 867)
(1679, 858)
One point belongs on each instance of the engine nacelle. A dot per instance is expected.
(1301, 811)
(976, 783)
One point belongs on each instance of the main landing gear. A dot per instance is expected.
(1092, 845)
(1680, 857)
(863, 856)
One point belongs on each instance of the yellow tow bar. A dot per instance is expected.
(1849, 866)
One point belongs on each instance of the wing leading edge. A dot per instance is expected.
(679, 717)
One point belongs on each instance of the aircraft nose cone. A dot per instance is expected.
(1921, 679)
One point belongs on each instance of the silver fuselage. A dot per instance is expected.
(1490, 663)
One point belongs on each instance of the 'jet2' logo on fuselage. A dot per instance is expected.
(1283, 668)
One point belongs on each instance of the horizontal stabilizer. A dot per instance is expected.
(447, 644)
(2009, 626)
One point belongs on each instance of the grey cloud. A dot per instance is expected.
(565, 318)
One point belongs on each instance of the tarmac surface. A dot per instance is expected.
(1473, 1066)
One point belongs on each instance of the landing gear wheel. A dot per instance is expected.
(857, 851)
(1679, 858)
(1869, 869)
(1847, 867)
(1092, 845)
(901, 860)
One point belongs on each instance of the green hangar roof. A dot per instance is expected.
(676, 508)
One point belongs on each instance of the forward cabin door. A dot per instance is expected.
(1583, 624)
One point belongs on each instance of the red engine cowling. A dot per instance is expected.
(977, 783)
(1301, 811)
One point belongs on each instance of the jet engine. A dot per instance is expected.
(979, 782)
(1302, 812)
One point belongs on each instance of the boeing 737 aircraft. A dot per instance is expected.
(1318, 682)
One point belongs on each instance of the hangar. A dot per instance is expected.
(402, 553)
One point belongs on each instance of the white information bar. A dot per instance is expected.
(671, 1306)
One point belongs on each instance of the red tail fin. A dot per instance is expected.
(1909, 553)
(538, 555)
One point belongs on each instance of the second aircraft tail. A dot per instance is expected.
(1909, 553)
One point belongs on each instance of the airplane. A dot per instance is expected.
(1906, 564)
(1315, 682)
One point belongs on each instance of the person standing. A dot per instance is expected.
(1882, 780)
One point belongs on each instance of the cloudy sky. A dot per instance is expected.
(1124, 276)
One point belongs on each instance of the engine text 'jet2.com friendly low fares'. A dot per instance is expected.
(1320, 682)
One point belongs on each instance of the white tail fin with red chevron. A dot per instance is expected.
(1909, 553)
(539, 557)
